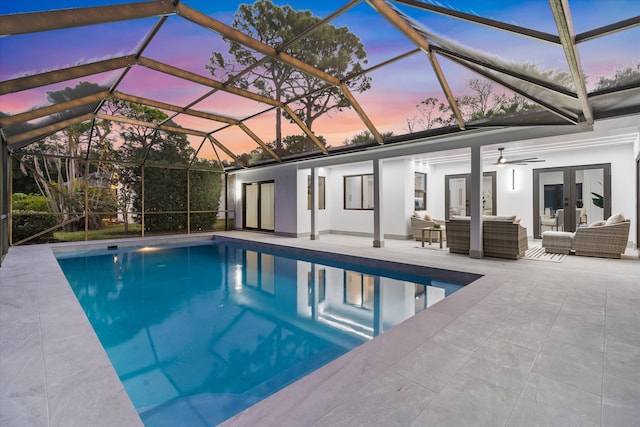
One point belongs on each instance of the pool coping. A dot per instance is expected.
(53, 370)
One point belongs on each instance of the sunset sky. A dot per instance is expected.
(396, 89)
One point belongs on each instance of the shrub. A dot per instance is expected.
(30, 216)
(30, 203)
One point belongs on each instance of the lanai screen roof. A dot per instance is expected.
(419, 68)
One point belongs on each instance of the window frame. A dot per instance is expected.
(423, 192)
(322, 188)
(368, 176)
(364, 284)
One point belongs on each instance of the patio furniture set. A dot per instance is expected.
(504, 237)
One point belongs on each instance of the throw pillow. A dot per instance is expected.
(598, 223)
(615, 219)
(427, 217)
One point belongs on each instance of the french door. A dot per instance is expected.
(259, 206)
(457, 194)
(566, 198)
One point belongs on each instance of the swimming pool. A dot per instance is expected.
(197, 333)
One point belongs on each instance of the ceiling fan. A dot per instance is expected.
(503, 161)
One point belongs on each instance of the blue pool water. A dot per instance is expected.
(198, 333)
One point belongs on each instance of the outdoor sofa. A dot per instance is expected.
(606, 239)
(502, 236)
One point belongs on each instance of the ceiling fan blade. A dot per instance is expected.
(524, 161)
(502, 161)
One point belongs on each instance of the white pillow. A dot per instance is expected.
(598, 223)
(615, 219)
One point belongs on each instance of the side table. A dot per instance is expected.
(431, 230)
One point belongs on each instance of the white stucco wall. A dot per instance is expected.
(397, 191)
(358, 222)
(294, 219)
(286, 183)
(519, 202)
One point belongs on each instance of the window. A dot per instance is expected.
(359, 290)
(259, 271)
(420, 188)
(358, 192)
(321, 192)
(321, 286)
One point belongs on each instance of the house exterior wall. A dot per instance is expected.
(346, 221)
(286, 196)
(519, 201)
(397, 194)
(514, 196)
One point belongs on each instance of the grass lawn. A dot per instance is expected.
(110, 231)
(116, 231)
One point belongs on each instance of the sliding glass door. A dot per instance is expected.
(566, 198)
(259, 206)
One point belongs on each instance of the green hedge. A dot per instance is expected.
(31, 216)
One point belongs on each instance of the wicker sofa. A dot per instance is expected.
(418, 222)
(601, 239)
(502, 236)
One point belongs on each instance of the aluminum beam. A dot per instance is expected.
(141, 48)
(52, 109)
(19, 141)
(34, 22)
(570, 117)
(491, 23)
(318, 24)
(150, 125)
(534, 81)
(447, 90)
(363, 116)
(245, 40)
(383, 8)
(562, 16)
(57, 76)
(175, 108)
(187, 75)
(608, 29)
(218, 144)
(197, 78)
(259, 141)
(305, 129)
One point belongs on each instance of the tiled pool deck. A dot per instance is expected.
(530, 343)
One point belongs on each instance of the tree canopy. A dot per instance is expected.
(623, 76)
(334, 50)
